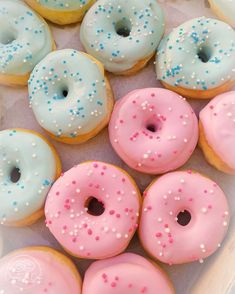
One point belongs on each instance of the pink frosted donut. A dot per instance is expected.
(87, 232)
(217, 132)
(184, 218)
(127, 273)
(153, 130)
(38, 270)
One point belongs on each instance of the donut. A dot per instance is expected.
(224, 9)
(28, 166)
(127, 273)
(197, 58)
(70, 96)
(121, 34)
(153, 130)
(93, 209)
(61, 12)
(217, 132)
(25, 39)
(184, 218)
(38, 270)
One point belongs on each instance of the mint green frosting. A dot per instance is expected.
(121, 33)
(37, 165)
(64, 4)
(67, 93)
(24, 38)
(199, 54)
(226, 8)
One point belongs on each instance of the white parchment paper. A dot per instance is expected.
(15, 112)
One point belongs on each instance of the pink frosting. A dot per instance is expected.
(36, 271)
(173, 133)
(218, 120)
(160, 233)
(86, 235)
(127, 273)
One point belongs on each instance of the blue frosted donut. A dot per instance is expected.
(70, 96)
(28, 167)
(61, 11)
(24, 40)
(121, 34)
(197, 58)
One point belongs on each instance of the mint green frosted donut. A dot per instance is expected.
(28, 152)
(197, 55)
(121, 33)
(68, 94)
(24, 38)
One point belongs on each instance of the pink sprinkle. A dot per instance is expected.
(158, 235)
(171, 240)
(112, 212)
(97, 238)
(57, 193)
(116, 278)
(180, 190)
(85, 225)
(209, 206)
(205, 191)
(134, 116)
(73, 182)
(130, 286)
(149, 207)
(102, 173)
(89, 231)
(143, 290)
(67, 206)
(123, 180)
(190, 199)
(118, 215)
(211, 107)
(126, 209)
(104, 276)
(113, 284)
(121, 121)
(166, 225)
(74, 240)
(152, 95)
(95, 165)
(104, 167)
(133, 101)
(64, 227)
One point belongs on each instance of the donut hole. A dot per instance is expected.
(184, 218)
(15, 175)
(153, 125)
(63, 93)
(204, 54)
(152, 128)
(7, 37)
(94, 206)
(123, 27)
